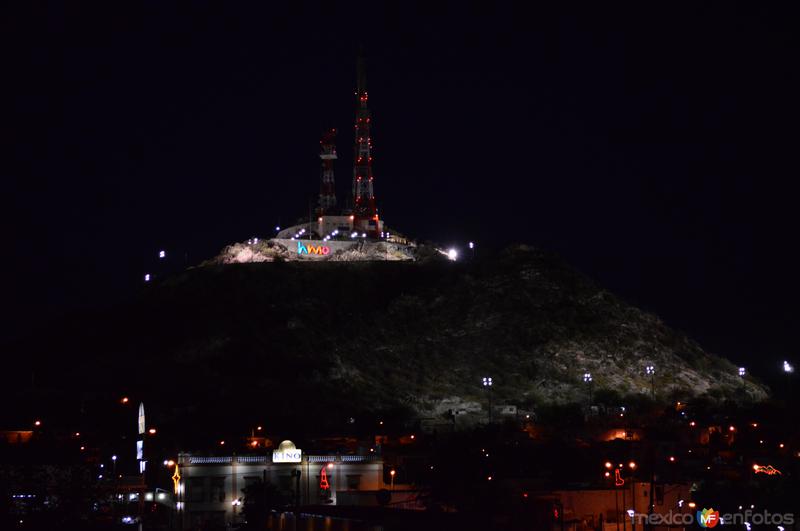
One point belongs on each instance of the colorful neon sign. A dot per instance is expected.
(323, 480)
(618, 480)
(313, 249)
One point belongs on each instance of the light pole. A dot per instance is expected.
(487, 384)
(392, 472)
(587, 379)
(650, 370)
(742, 374)
(788, 369)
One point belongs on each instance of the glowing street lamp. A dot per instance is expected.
(788, 368)
(487, 384)
(452, 254)
(587, 379)
(162, 254)
(650, 370)
(742, 372)
(391, 474)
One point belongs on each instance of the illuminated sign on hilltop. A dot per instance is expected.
(311, 249)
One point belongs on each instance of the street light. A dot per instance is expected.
(487, 384)
(391, 474)
(587, 379)
(650, 370)
(742, 372)
(787, 367)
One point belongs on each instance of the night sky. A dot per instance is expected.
(653, 146)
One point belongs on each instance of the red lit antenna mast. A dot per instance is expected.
(364, 210)
(327, 188)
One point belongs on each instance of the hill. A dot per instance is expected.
(325, 344)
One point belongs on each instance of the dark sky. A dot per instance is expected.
(653, 146)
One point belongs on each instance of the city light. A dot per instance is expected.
(147, 277)
(587, 377)
(787, 367)
(487, 381)
(124, 400)
(452, 254)
(151, 431)
(162, 254)
(471, 245)
(650, 370)
(632, 465)
(608, 464)
(37, 423)
(113, 457)
(742, 371)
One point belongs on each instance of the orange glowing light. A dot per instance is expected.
(608, 464)
(124, 400)
(151, 431)
(632, 465)
(176, 479)
(37, 423)
(769, 470)
(618, 479)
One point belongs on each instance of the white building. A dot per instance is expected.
(210, 489)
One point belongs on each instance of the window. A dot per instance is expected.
(249, 481)
(353, 481)
(285, 483)
(218, 489)
(195, 490)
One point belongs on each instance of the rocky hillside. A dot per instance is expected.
(326, 342)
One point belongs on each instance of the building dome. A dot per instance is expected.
(286, 446)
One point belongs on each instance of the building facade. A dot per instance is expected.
(210, 490)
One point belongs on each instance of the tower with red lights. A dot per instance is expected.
(364, 210)
(327, 188)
